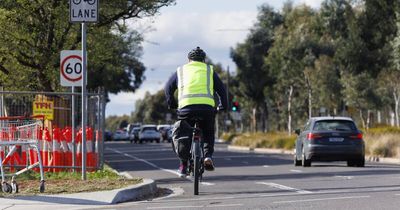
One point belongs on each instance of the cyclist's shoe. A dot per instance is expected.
(182, 171)
(208, 164)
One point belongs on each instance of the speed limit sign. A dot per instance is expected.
(71, 68)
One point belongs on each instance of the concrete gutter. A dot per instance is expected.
(291, 152)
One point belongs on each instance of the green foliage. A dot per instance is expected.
(117, 122)
(228, 137)
(152, 109)
(33, 33)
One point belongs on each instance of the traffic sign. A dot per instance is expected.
(71, 68)
(83, 11)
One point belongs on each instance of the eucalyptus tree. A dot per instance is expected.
(249, 58)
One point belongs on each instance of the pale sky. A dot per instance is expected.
(214, 25)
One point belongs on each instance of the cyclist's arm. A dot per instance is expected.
(169, 91)
(219, 88)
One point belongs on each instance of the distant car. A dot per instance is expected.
(134, 134)
(120, 135)
(149, 133)
(107, 135)
(164, 129)
(330, 139)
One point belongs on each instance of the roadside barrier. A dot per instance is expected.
(55, 148)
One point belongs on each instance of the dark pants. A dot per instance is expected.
(206, 124)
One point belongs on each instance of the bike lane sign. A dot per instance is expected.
(83, 11)
(71, 68)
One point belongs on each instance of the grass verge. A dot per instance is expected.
(69, 182)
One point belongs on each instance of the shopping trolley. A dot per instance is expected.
(15, 133)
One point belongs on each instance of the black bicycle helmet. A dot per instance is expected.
(197, 55)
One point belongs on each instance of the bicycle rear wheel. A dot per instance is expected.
(196, 167)
(196, 175)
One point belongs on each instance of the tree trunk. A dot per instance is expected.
(368, 119)
(362, 119)
(289, 125)
(309, 97)
(254, 119)
(264, 117)
(396, 107)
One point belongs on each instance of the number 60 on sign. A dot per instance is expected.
(71, 68)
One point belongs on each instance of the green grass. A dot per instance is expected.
(277, 140)
(382, 141)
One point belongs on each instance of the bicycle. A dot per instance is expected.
(196, 167)
(90, 2)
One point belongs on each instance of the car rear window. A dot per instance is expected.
(337, 125)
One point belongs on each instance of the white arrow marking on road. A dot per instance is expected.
(283, 187)
(155, 166)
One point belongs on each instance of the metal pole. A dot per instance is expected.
(73, 129)
(103, 124)
(84, 69)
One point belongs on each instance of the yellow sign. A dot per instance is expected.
(45, 108)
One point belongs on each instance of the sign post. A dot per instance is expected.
(83, 11)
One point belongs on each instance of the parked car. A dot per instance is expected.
(330, 139)
(134, 135)
(120, 135)
(149, 133)
(164, 129)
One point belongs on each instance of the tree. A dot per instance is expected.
(249, 58)
(32, 34)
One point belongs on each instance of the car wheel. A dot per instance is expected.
(296, 162)
(350, 163)
(361, 162)
(140, 141)
(304, 161)
(158, 140)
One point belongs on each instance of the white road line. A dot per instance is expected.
(283, 187)
(296, 171)
(265, 166)
(322, 199)
(397, 194)
(155, 166)
(203, 206)
(344, 177)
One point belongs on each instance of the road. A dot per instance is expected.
(246, 180)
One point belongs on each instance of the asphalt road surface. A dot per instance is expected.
(247, 180)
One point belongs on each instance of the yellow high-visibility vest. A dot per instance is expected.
(195, 84)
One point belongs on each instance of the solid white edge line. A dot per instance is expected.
(202, 206)
(322, 199)
(283, 187)
(157, 167)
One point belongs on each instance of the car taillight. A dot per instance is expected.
(311, 136)
(358, 136)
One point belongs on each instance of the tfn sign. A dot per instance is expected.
(44, 105)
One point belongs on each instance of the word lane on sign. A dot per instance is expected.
(71, 68)
(83, 10)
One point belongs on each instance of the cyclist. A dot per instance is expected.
(197, 82)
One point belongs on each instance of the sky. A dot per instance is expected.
(214, 25)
